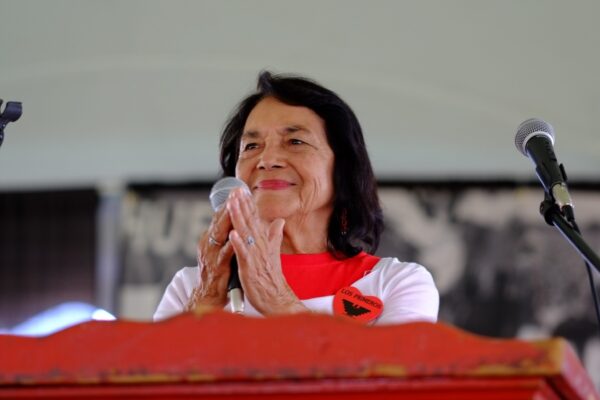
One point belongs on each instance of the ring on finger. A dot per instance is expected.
(214, 242)
(250, 240)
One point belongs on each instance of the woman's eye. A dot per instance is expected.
(250, 146)
(296, 141)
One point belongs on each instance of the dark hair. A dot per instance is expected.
(355, 188)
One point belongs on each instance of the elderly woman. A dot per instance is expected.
(305, 237)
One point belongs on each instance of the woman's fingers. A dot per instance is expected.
(238, 245)
(214, 259)
(224, 257)
(215, 237)
(244, 218)
(219, 227)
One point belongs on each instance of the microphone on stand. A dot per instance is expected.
(535, 139)
(218, 196)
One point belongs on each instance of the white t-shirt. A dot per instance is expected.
(407, 291)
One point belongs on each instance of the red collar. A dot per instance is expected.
(317, 275)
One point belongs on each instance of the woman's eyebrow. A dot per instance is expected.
(289, 129)
(295, 128)
(252, 134)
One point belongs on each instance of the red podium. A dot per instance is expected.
(219, 356)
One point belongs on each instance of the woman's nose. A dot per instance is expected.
(271, 157)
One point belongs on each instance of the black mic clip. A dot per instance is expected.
(12, 112)
(557, 202)
(559, 195)
(548, 209)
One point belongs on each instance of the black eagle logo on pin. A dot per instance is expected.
(354, 310)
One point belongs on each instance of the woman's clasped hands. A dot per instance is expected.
(237, 230)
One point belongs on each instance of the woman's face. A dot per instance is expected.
(286, 161)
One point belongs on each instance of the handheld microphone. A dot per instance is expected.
(535, 139)
(218, 196)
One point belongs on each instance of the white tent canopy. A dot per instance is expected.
(138, 90)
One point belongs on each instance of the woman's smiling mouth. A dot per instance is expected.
(273, 184)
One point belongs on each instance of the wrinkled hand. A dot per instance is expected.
(214, 258)
(257, 246)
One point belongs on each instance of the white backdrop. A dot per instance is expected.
(138, 90)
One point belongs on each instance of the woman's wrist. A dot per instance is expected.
(295, 306)
(199, 298)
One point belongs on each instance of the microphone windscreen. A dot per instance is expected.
(221, 189)
(530, 128)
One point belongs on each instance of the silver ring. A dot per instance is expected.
(250, 240)
(213, 242)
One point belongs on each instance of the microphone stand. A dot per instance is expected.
(554, 217)
(570, 231)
